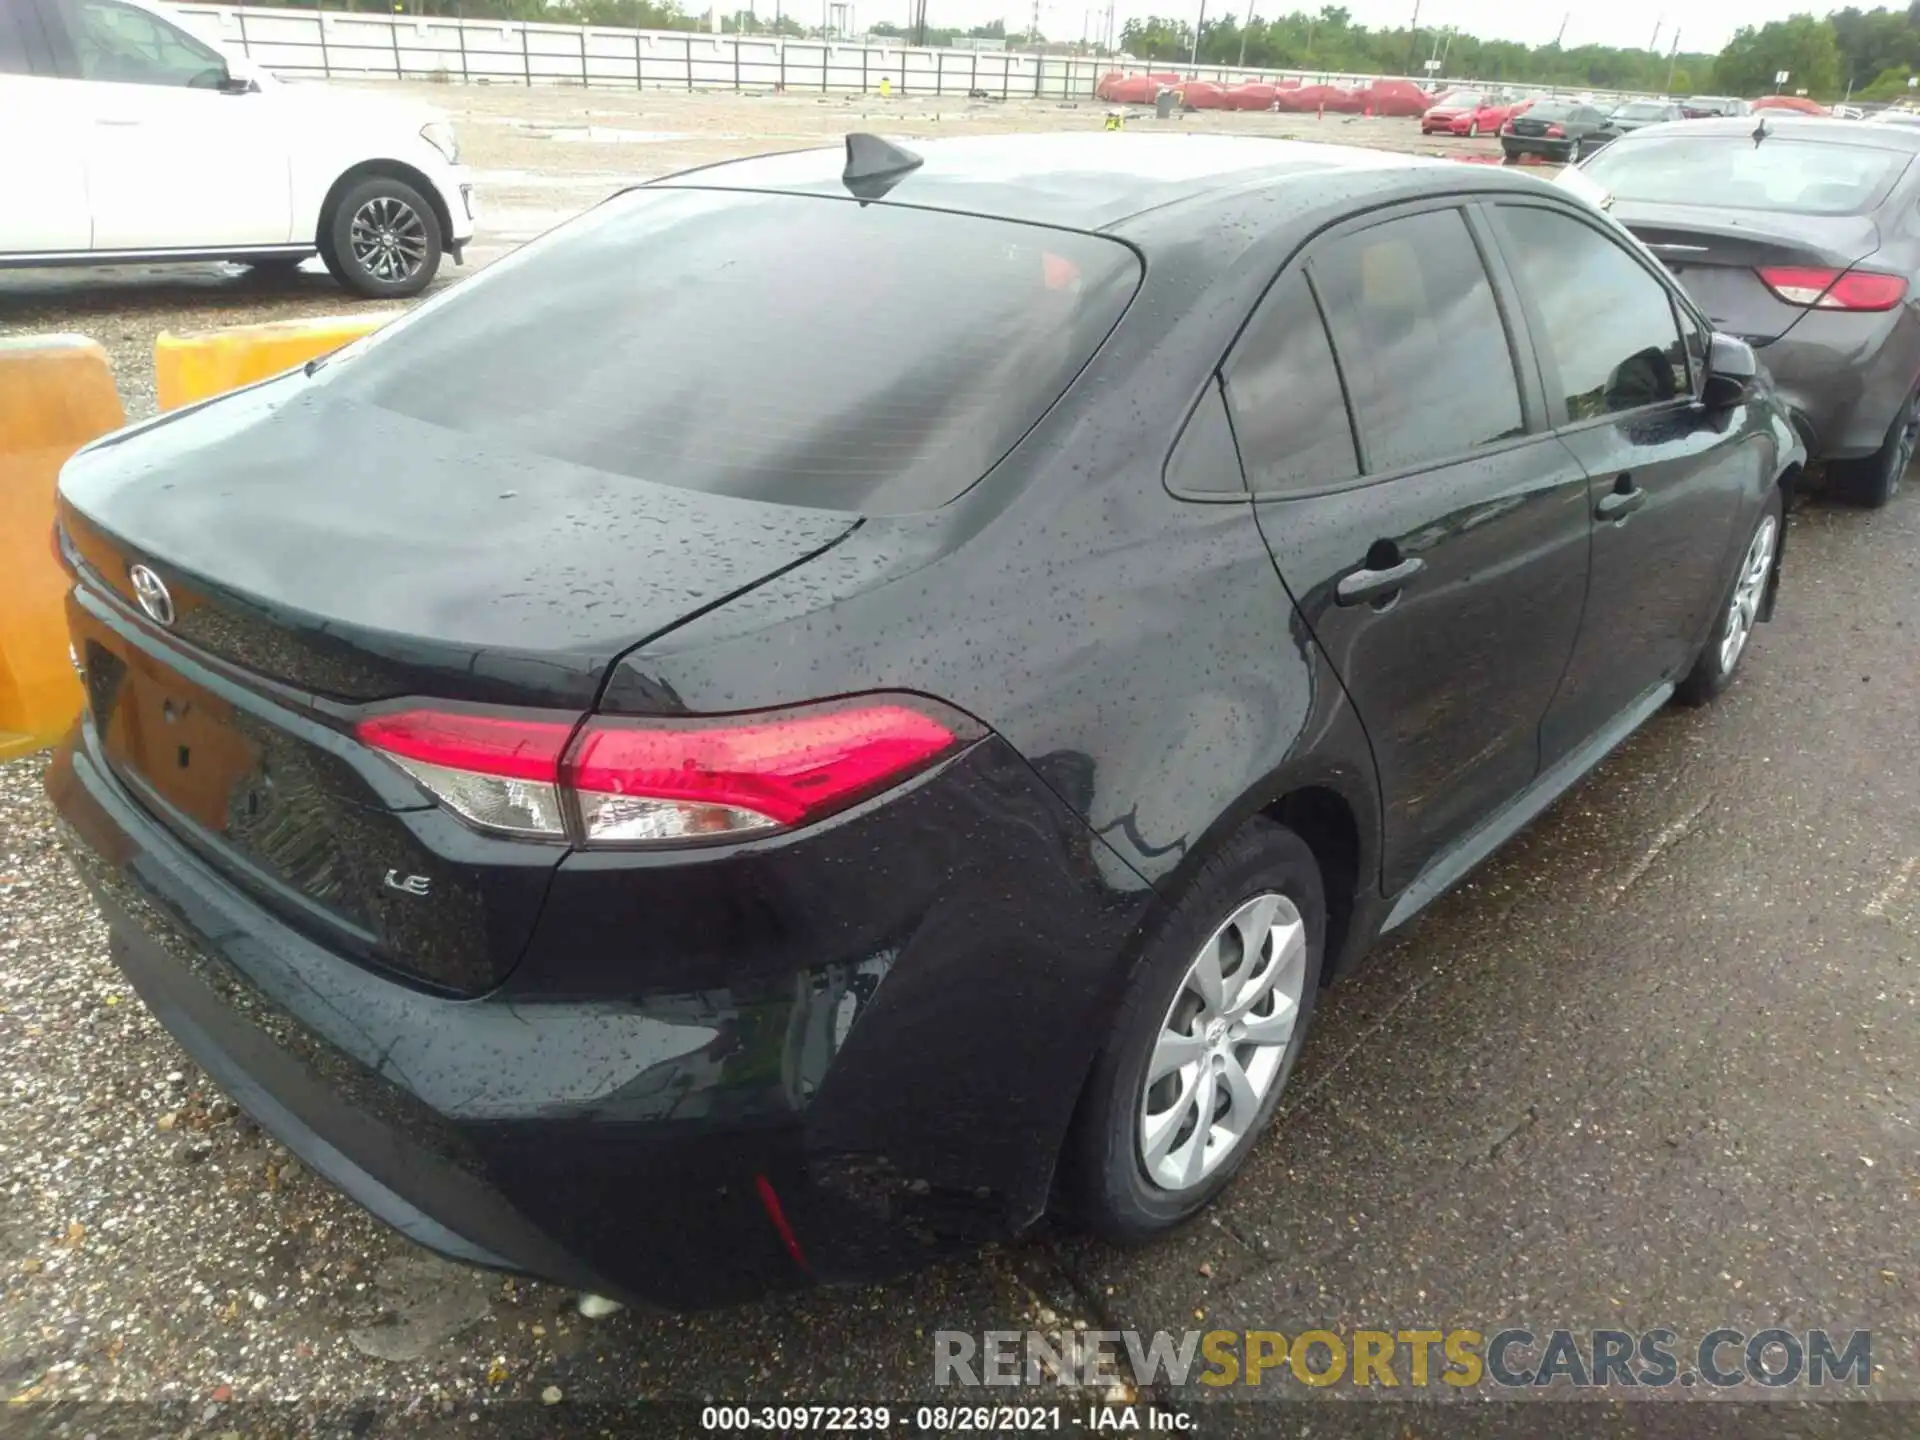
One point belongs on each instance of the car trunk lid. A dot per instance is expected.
(1717, 256)
(342, 548)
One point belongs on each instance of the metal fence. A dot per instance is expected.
(334, 44)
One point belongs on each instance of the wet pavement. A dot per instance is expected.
(1657, 1063)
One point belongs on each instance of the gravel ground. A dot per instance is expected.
(1657, 1063)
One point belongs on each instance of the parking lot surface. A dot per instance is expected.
(1655, 1064)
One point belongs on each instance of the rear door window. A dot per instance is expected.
(1610, 328)
(1289, 415)
(1420, 340)
(798, 349)
(1204, 460)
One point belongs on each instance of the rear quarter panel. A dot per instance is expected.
(1138, 650)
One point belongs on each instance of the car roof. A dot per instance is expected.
(1801, 127)
(1081, 180)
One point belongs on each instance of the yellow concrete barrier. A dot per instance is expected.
(201, 363)
(56, 393)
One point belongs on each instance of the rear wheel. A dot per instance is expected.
(1205, 1038)
(1510, 157)
(1739, 610)
(1875, 479)
(383, 239)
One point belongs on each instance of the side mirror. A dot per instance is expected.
(1731, 372)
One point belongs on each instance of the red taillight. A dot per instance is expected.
(1820, 289)
(1554, 132)
(639, 781)
(503, 746)
(501, 772)
(625, 781)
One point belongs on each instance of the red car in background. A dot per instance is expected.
(1488, 119)
(1444, 111)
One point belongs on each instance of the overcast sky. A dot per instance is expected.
(1705, 25)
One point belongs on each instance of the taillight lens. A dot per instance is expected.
(1554, 132)
(1820, 289)
(500, 772)
(617, 781)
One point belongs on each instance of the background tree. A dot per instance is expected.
(1802, 46)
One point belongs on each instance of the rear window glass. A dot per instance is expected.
(803, 350)
(1550, 110)
(1641, 112)
(1805, 176)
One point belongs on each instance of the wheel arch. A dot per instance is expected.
(1332, 805)
(1791, 477)
(392, 170)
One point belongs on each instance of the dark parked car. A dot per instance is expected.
(1638, 114)
(1562, 130)
(1803, 242)
(631, 802)
(1708, 107)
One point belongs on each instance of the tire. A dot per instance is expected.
(1873, 480)
(1264, 878)
(397, 248)
(1509, 157)
(334, 268)
(1740, 605)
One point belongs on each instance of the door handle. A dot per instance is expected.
(1364, 584)
(1620, 502)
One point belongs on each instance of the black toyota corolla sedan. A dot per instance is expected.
(840, 701)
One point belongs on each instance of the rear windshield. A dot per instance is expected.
(1807, 177)
(804, 350)
(1641, 111)
(1550, 109)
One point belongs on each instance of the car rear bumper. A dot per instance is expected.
(1518, 145)
(1844, 377)
(689, 1149)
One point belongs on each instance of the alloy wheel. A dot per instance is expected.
(388, 238)
(1904, 444)
(1221, 1046)
(1744, 609)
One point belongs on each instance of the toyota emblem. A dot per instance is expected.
(151, 591)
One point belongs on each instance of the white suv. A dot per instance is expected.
(125, 137)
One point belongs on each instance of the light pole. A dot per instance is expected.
(1198, 26)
